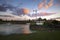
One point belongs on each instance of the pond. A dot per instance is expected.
(6, 29)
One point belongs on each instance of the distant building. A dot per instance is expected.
(39, 22)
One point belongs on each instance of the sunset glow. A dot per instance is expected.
(26, 11)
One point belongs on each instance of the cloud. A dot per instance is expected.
(25, 10)
(58, 1)
(7, 15)
(46, 6)
(34, 0)
(57, 5)
(7, 12)
(22, 11)
(40, 5)
(2, 8)
(43, 4)
(50, 3)
(44, 1)
(52, 16)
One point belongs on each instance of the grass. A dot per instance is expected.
(39, 35)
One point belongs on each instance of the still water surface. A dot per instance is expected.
(14, 28)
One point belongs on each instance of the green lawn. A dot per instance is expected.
(34, 36)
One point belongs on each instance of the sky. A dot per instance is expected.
(33, 4)
(47, 6)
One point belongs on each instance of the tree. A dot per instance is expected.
(55, 22)
(39, 19)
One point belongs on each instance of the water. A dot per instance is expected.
(6, 29)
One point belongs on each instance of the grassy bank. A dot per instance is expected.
(34, 36)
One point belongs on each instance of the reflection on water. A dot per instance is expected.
(14, 28)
